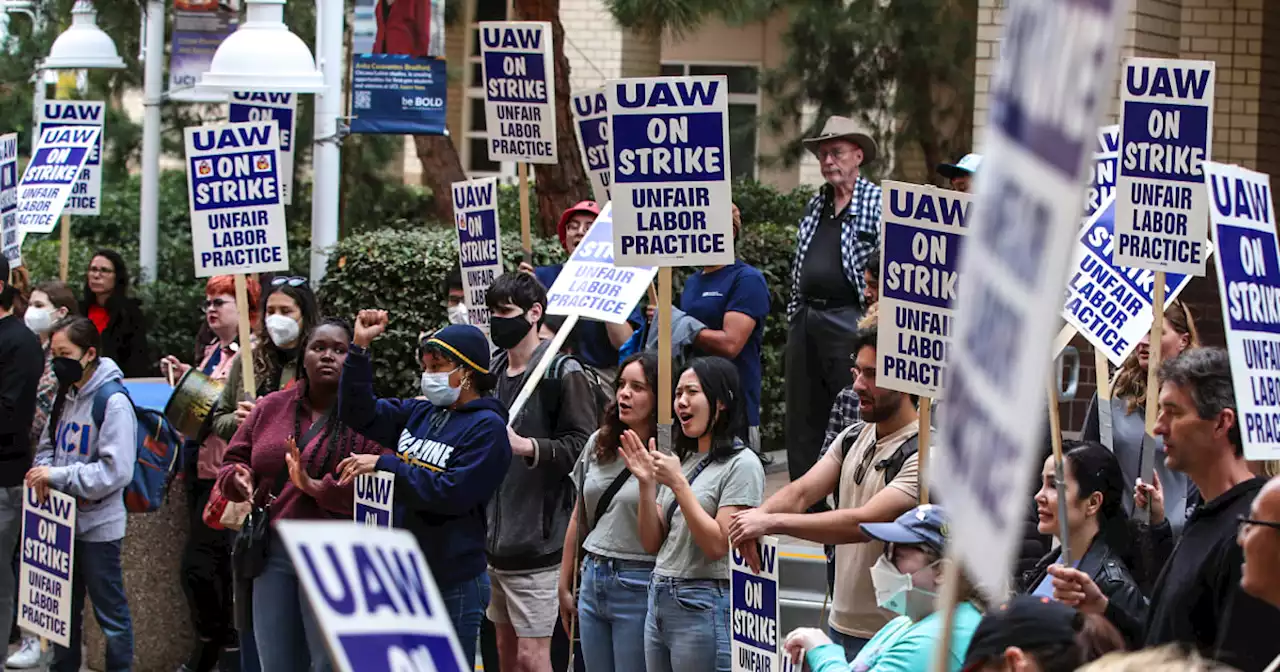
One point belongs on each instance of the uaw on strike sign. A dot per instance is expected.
(519, 90)
(591, 123)
(237, 215)
(48, 554)
(475, 209)
(591, 285)
(51, 175)
(757, 637)
(86, 195)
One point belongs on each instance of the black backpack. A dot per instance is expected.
(891, 465)
(549, 388)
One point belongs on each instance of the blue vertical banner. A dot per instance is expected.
(375, 496)
(1244, 229)
(1056, 65)
(756, 640)
(199, 26)
(47, 562)
(923, 235)
(519, 90)
(86, 196)
(10, 234)
(475, 212)
(51, 175)
(1166, 133)
(1102, 172)
(669, 148)
(283, 107)
(591, 124)
(398, 79)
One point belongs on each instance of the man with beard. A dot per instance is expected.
(871, 468)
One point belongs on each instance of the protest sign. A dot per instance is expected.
(10, 235)
(924, 231)
(373, 596)
(1102, 172)
(1111, 305)
(375, 496)
(51, 175)
(199, 26)
(756, 644)
(1047, 93)
(591, 286)
(591, 124)
(475, 211)
(86, 196)
(519, 90)
(1244, 229)
(233, 183)
(1166, 131)
(283, 107)
(669, 149)
(48, 556)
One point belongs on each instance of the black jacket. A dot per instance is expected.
(1107, 570)
(21, 366)
(125, 338)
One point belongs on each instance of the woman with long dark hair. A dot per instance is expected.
(117, 315)
(712, 475)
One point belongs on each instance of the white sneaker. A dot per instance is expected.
(28, 656)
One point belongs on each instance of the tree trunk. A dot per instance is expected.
(558, 186)
(441, 167)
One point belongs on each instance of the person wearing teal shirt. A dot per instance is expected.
(907, 580)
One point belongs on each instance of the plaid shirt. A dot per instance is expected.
(844, 412)
(859, 236)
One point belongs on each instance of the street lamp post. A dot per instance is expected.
(152, 100)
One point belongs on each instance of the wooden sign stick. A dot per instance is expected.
(526, 236)
(664, 359)
(246, 342)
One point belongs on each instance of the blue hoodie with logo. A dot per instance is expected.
(447, 464)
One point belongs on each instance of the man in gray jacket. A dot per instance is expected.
(529, 514)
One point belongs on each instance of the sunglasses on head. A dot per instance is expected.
(292, 281)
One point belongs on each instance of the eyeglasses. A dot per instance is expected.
(836, 154)
(1243, 523)
(214, 304)
(99, 270)
(292, 281)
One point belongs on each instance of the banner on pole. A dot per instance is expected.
(1244, 229)
(475, 212)
(1166, 132)
(519, 90)
(398, 78)
(591, 124)
(86, 196)
(1102, 172)
(669, 149)
(923, 234)
(10, 235)
(233, 183)
(48, 556)
(1111, 305)
(591, 286)
(51, 175)
(1047, 93)
(375, 499)
(373, 596)
(756, 644)
(283, 107)
(199, 26)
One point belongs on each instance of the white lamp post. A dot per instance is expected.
(83, 45)
(152, 100)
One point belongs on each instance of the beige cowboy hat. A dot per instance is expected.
(843, 128)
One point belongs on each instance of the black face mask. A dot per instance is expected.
(507, 332)
(68, 371)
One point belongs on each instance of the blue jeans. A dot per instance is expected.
(97, 570)
(687, 627)
(289, 639)
(852, 645)
(466, 602)
(613, 600)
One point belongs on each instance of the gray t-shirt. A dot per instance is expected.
(617, 533)
(736, 481)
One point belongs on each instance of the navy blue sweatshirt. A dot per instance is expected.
(447, 465)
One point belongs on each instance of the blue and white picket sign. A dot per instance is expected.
(86, 197)
(237, 212)
(374, 597)
(1166, 132)
(375, 495)
(283, 107)
(519, 90)
(591, 286)
(1102, 173)
(755, 639)
(475, 212)
(669, 148)
(10, 235)
(591, 124)
(51, 175)
(1111, 305)
(1108, 139)
(923, 234)
(44, 573)
(1244, 229)
(1046, 97)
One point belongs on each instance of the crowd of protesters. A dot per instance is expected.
(565, 531)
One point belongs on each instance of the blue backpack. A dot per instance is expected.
(158, 447)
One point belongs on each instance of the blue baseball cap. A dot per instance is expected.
(464, 342)
(925, 525)
(962, 168)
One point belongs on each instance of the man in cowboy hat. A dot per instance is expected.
(840, 231)
(960, 173)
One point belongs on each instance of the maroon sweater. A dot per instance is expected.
(262, 442)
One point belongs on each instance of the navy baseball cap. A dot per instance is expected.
(465, 342)
(925, 525)
(1027, 622)
(962, 168)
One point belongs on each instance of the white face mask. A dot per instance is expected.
(458, 314)
(897, 592)
(39, 320)
(282, 330)
(437, 390)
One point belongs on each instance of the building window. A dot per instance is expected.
(744, 109)
(474, 147)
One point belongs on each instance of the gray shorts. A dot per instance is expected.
(527, 601)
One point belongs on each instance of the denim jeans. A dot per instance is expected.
(852, 645)
(613, 600)
(466, 602)
(10, 530)
(289, 638)
(97, 570)
(687, 627)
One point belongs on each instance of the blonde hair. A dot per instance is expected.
(870, 319)
(1169, 658)
(1131, 381)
